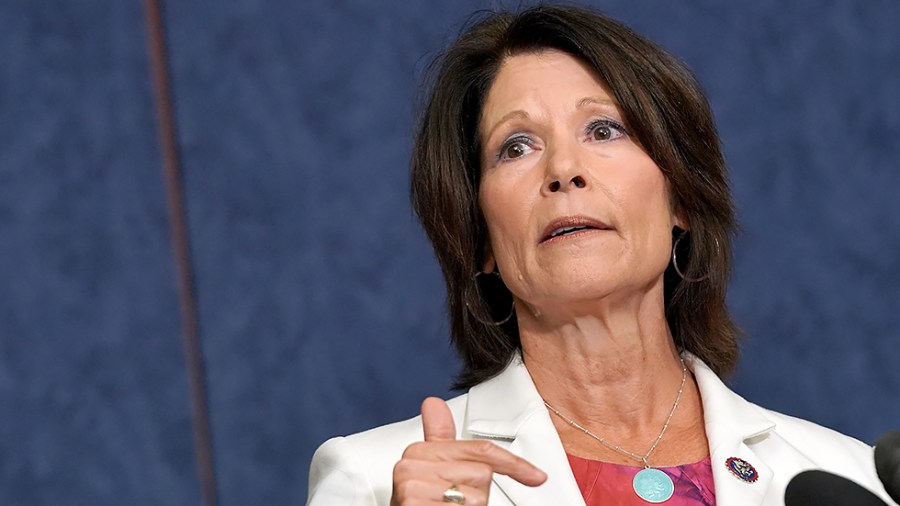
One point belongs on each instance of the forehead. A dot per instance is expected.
(549, 78)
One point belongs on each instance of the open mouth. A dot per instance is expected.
(568, 230)
(571, 226)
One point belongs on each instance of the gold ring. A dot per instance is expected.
(452, 495)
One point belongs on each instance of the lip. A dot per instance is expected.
(571, 221)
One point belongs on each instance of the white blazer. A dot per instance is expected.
(357, 470)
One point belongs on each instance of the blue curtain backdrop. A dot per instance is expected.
(320, 302)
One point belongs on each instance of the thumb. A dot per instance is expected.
(437, 421)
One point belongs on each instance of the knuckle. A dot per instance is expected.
(413, 449)
(482, 476)
(403, 467)
(484, 448)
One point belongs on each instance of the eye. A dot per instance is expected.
(515, 148)
(605, 130)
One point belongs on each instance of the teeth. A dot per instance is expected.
(566, 230)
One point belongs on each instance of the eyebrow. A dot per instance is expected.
(506, 117)
(518, 113)
(584, 102)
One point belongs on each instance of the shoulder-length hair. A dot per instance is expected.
(668, 115)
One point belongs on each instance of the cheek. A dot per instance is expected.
(645, 203)
(506, 213)
(648, 195)
(491, 202)
(495, 198)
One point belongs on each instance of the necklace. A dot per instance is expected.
(651, 485)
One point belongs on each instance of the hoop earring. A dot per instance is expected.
(512, 308)
(675, 261)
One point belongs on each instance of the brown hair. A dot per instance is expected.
(667, 114)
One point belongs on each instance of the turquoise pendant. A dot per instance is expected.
(653, 485)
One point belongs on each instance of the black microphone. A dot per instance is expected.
(887, 463)
(821, 488)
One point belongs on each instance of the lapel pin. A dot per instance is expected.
(742, 469)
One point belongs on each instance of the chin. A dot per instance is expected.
(572, 287)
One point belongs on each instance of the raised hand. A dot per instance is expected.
(429, 468)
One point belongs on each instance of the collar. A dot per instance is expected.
(509, 410)
(726, 414)
(734, 427)
(498, 407)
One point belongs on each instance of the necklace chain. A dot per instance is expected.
(619, 449)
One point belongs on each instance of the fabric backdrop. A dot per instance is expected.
(319, 299)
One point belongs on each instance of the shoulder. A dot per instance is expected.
(358, 469)
(786, 443)
(816, 437)
(725, 408)
(827, 448)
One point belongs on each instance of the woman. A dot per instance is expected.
(568, 174)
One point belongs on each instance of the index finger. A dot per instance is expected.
(498, 459)
(503, 461)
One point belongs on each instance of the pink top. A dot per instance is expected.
(602, 483)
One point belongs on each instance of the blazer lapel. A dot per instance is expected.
(730, 488)
(508, 410)
(733, 428)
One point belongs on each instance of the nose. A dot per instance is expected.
(564, 171)
(576, 181)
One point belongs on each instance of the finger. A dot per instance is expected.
(473, 474)
(473, 496)
(437, 421)
(500, 460)
(432, 491)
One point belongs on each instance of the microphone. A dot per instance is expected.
(887, 463)
(821, 488)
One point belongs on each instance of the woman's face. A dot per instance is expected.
(575, 208)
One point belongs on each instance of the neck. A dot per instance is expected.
(613, 369)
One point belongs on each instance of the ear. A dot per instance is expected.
(679, 221)
(489, 264)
